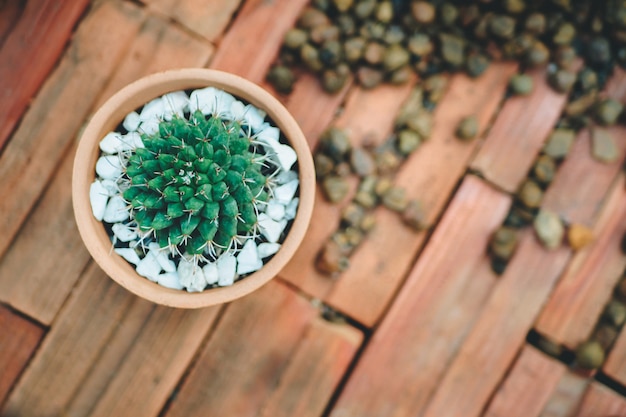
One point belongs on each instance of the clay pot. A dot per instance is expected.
(110, 115)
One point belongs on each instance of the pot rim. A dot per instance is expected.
(108, 117)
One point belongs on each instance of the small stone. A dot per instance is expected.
(190, 276)
(175, 104)
(331, 53)
(248, 259)
(562, 80)
(353, 49)
(394, 35)
(420, 45)
(599, 51)
(537, 55)
(112, 143)
(311, 58)
(579, 236)
(362, 162)
(211, 274)
(535, 23)
(116, 210)
(559, 143)
(267, 249)
(565, 57)
(514, 6)
(331, 259)
(123, 233)
(384, 12)
(530, 194)
(226, 269)
(564, 34)
(549, 229)
(383, 185)
(364, 8)
(332, 81)
(368, 222)
(615, 313)
(295, 38)
(544, 169)
(452, 49)
(503, 243)
(521, 84)
(550, 347)
(324, 165)
(395, 57)
(414, 215)
(580, 106)
(408, 141)
(271, 229)
(468, 128)
(346, 24)
(282, 78)
(129, 254)
(588, 79)
(286, 176)
(285, 193)
(352, 214)
(149, 267)
(401, 76)
(608, 111)
(387, 161)
(590, 355)
(448, 14)
(98, 197)
(605, 335)
(131, 121)
(422, 124)
(275, 210)
(502, 26)
(343, 5)
(335, 188)
(109, 167)
(423, 12)
(343, 170)
(170, 280)
(291, 209)
(335, 143)
(513, 219)
(374, 53)
(311, 18)
(395, 199)
(603, 146)
(152, 111)
(498, 265)
(476, 65)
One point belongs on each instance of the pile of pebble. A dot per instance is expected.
(384, 40)
(179, 271)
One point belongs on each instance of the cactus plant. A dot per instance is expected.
(197, 184)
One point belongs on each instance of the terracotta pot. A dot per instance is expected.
(110, 115)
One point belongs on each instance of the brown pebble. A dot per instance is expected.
(603, 146)
(353, 49)
(559, 143)
(590, 355)
(414, 215)
(422, 124)
(579, 236)
(605, 335)
(383, 185)
(579, 106)
(544, 169)
(530, 194)
(332, 81)
(423, 12)
(335, 143)
(502, 26)
(335, 188)
(324, 165)
(295, 38)
(408, 141)
(503, 242)
(282, 78)
(369, 77)
(435, 86)
(452, 49)
(615, 313)
(387, 161)
(331, 259)
(395, 57)
(343, 5)
(535, 23)
(565, 57)
(564, 34)
(364, 8)
(395, 199)
(401, 76)
(311, 58)
(608, 111)
(362, 162)
(374, 53)
(384, 12)
(562, 80)
(537, 55)
(343, 169)
(368, 222)
(420, 45)
(311, 18)
(467, 128)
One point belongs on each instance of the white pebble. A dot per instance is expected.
(175, 104)
(224, 104)
(161, 254)
(210, 273)
(254, 117)
(267, 249)
(116, 210)
(286, 176)
(123, 232)
(285, 193)
(248, 259)
(190, 276)
(111, 187)
(131, 121)
(98, 196)
(133, 140)
(203, 99)
(275, 210)
(149, 127)
(268, 134)
(270, 228)
(291, 209)
(238, 110)
(129, 254)
(226, 269)
(149, 267)
(170, 280)
(109, 167)
(111, 143)
(153, 110)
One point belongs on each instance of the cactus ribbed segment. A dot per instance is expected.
(197, 184)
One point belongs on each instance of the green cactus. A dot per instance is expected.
(197, 184)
